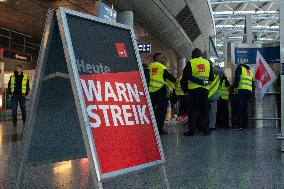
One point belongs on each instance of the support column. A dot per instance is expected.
(282, 68)
(181, 65)
(126, 18)
(248, 30)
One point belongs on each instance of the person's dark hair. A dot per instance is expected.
(19, 66)
(156, 55)
(196, 53)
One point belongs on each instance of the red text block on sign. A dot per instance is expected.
(120, 118)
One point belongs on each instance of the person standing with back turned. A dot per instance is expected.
(19, 88)
(244, 85)
(196, 76)
(158, 89)
(223, 103)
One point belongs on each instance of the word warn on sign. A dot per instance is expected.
(120, 119)
(130, 114)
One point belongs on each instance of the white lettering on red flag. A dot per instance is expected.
(264, 77)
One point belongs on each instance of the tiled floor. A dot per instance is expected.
(225, 159)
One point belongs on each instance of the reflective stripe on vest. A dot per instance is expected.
(178, 88)
(156, 76)
(214, 86)
(246, 79)
(200, 69)
(170, 85)
(24, 83)
(224, 91)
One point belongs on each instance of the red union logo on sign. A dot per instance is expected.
(201, 67)
(121, 50)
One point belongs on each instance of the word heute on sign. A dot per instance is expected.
(125, 109)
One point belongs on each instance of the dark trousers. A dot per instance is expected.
(182, 104)
(223, 114)
(242, 100)
(160, 102)
(198, 110)
(22, 101)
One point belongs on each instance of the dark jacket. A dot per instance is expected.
(18, 87)
(224, 79)
(187, 76)
(168, 76)
(147, 74)
(238, 73)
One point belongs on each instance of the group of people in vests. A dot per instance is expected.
(202, 91)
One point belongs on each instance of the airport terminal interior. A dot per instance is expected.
(124, 94)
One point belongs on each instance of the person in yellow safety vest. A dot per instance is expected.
(170, 86)
(18, 88)
(182, 99)
(158, 89)
(214, 96)
(172, 98)
(244, 85)
(196, 76)
(223, 103)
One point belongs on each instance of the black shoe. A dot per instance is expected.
(24, 123)
(14, 124)
(188, 133)
(162, 132)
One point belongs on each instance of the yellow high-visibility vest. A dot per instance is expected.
(24, 83)
(246, 79)
(156, 76)
(170, 85)
(200, 69)
(214, 86)
(224, 91)
(178, 88)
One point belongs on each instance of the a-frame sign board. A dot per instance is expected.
(90, 100)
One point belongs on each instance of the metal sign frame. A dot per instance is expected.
(281, 5)
(73, 75)
(78, 94)
(27, 133)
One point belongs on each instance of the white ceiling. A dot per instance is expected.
(229, 18)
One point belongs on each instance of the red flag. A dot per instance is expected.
(262, 74)
(264, 77)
